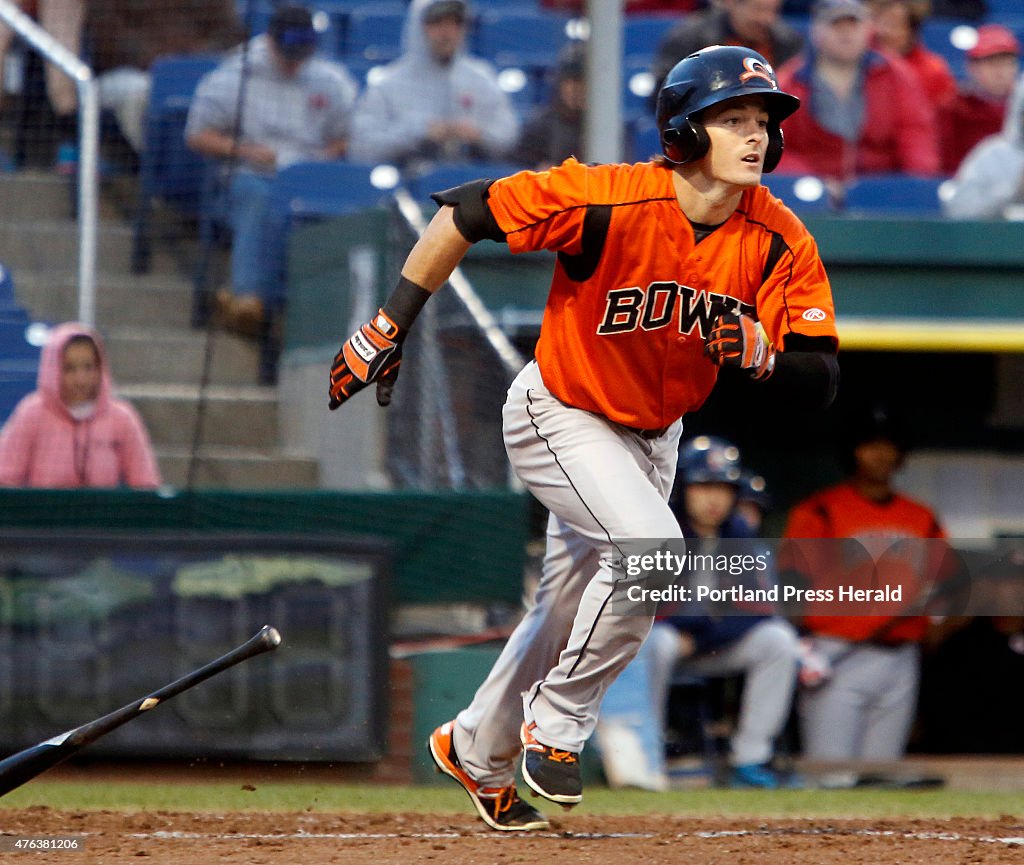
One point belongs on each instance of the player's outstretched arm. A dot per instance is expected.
(374, 352)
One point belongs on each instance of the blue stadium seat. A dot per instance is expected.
(14, 386)
(896, 194)
(8, 298)
(301, 192)
(511, 37)
(168, 170)
(446, 175)
(800, 23)
(14, 345)
(317, 189)
(1000, 10)
(800, 193)
(526, 88)
(637, 87)
(644, 140)
(373, 31)
(19, 359)
(642, 33)
(949, 38)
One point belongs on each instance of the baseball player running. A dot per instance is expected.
(664, 270)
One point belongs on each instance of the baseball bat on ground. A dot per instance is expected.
(25, 765)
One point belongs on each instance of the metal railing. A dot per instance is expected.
(88, 147)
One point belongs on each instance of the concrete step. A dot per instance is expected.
(238, 468)
(121, 299)
(51, 247)
(236, 416)
(29, 195)
(163, 356)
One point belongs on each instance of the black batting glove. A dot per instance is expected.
(736, 340)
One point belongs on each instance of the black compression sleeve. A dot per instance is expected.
(473, 217)
(807, 372)
(405, 302)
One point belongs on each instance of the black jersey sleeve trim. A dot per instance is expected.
(581, 266)
(775, 251)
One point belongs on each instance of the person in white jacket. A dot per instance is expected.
(991, 178)
(435, 102)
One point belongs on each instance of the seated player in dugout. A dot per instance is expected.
(667, 272)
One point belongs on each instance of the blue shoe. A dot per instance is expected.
(67, 158)
(762, 776)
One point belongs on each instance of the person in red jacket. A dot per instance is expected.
(867, 113)
(898, 31)
(978, 109)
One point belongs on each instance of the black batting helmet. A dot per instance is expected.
(706, 78)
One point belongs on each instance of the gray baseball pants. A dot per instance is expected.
(865, 709)
(602, 484)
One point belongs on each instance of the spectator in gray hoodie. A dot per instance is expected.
(991, 177)
(435, 102)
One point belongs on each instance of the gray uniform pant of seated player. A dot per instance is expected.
(865, 709)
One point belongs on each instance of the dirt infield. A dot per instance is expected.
(313, 838)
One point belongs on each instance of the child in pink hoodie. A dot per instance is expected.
(72, 431)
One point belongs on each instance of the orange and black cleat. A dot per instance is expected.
(550, 772)
(499, 807)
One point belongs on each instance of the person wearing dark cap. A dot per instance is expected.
(757, 24)
(554, 132)
(271, 104)
(862, 702)
(978, 109)
(435, 102)
(867, 111)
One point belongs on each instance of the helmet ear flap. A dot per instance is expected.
(684, 140)
(776, 144)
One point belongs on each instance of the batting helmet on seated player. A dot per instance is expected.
(708, 460)
(705, 460)
(706, 78)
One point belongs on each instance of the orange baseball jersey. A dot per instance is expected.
(842, 512)
(633, 296)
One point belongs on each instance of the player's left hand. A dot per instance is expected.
(372, 353)
(736, 340)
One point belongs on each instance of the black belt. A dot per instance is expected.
(647, 433)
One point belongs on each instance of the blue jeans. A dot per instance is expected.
(258, 247)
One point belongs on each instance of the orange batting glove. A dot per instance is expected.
(372, 353)
(736, 340)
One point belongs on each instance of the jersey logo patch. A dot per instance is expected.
(814, 314)
(663, 303)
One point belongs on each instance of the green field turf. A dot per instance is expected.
(275, 796)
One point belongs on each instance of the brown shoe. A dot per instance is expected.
(221, 306)
(249, 316)
(243, 315)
